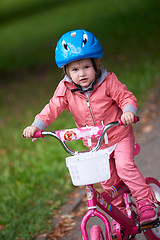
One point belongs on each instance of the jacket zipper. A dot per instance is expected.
(89, 106)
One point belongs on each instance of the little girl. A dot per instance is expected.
(94, 97)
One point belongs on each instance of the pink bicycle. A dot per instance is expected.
(87, 168)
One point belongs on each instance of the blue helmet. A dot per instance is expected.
(76, 45)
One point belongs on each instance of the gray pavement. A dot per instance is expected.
(148, 138)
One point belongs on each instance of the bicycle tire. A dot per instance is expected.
(96, 233)
(153, 233)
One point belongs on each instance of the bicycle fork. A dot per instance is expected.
(93, 212)
(96, 199)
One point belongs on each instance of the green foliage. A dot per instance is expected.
(34, 179)
(13, 10)
(128, 30)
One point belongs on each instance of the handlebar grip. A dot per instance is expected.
(38, 134)
(136, 119)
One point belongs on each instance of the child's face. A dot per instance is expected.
(81, 72)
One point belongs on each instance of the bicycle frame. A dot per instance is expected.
(104, 201)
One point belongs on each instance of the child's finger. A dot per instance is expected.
(34, 139)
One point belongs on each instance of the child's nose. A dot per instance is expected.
(81, 72)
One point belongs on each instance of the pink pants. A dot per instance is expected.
(122, 167)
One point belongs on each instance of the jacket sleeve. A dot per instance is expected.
(53, 109)
(121, 95)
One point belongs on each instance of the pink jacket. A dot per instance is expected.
(105, 104)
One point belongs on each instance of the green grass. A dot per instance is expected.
(123, 28)
(33, 176)
(13, 10)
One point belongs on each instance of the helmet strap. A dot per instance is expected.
(79, 88)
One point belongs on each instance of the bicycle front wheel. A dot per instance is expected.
(153, 233)
(96, 233)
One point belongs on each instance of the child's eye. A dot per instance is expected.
(87, 66)
(75, 69)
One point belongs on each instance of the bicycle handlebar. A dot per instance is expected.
(68, 135)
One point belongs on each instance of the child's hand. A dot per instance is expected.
(127, 118)
(29, 132)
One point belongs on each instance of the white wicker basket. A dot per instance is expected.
(89, 168)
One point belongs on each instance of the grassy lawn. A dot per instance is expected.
(123, 28)
(33, 176)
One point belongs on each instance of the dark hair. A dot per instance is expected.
(96, 66)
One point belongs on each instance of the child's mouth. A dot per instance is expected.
(83, 80)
